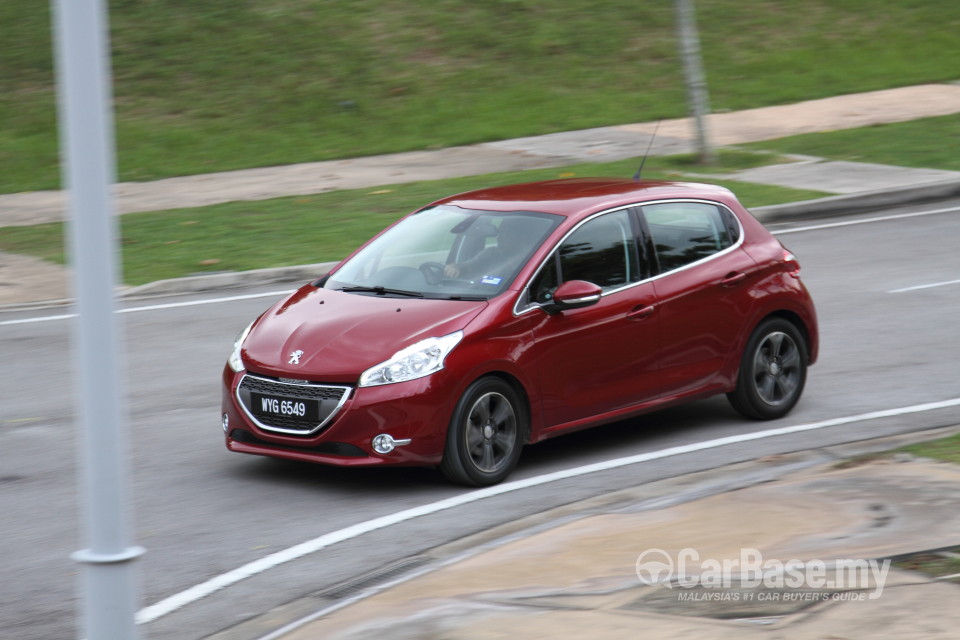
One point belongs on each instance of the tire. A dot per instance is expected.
(773, 371)
(486, 434)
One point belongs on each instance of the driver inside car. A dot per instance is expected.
(501, 260)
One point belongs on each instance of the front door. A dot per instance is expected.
(600, 359)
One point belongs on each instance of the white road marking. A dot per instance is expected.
(848, 223)
(192, 303)
(153, 307)
(925, 286)
(176, 601)
(38, 319)
(172, 603)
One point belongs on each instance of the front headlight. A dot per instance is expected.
(416, 361)
(235, 362)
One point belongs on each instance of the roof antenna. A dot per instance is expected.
(636, 176)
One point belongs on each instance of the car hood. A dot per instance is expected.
(342, 335)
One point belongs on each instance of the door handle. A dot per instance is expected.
(733, 278)
(641, 312)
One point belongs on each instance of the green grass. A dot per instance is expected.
(944, 449)
(947, 449)
(927, 143)
(932, 564)
(239, 236)
(243, 235)
(211, 85)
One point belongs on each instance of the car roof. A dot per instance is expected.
(578, 196)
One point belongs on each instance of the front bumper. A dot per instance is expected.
(418, 410)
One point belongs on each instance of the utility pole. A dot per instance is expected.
(696, 81)
(108, 585)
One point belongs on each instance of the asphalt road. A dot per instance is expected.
(201, 511)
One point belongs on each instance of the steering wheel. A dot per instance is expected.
(432, 272)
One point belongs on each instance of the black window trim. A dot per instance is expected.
(725, 214)
(631, 221)
(523, 305)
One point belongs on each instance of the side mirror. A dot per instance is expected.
(574, 294)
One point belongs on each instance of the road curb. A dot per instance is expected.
(821, 207)
(651, 496)
(794, 211)
(229, 280)
(859, 202)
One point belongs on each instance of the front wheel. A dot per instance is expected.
(773, 371)
(485, 435)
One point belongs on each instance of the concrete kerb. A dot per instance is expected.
(651, 496)
(859, 202)
(229, 280)
(821, 207)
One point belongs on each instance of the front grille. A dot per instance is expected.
(325, 400)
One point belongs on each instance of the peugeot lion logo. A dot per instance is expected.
(295, 357)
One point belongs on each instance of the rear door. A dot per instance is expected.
(703, 291)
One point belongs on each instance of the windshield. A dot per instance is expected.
(446, 252)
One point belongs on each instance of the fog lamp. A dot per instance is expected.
(385, 443)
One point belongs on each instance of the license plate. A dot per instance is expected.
(278, 406)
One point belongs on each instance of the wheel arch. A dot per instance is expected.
(746, 396)
(797, 321)
(521, 392)
(732, 367)
(459, 462)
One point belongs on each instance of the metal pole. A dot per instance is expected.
(108, 587)
(693, 71)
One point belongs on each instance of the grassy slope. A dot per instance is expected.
(944, 449)
(300, 230)
(930, 142)
(241, 236)
(210, 85)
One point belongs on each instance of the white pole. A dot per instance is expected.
(109, 592)
(695, 79)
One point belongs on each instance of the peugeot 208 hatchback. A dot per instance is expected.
(500, 317)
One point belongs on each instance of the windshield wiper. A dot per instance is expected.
(382, 291)
(454, 296)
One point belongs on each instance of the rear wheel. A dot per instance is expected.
(485, 435)
(773, 371)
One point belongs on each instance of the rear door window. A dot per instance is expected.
(686, 232)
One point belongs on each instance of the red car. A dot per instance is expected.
(501, 317)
